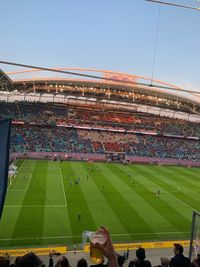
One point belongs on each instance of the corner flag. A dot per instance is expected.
(4, 159)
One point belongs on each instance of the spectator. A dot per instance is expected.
(179, 260)
(164, 261)
(196, 261)
(62, 262)
(126, 254)
(51, 259)
(140, 259)
(16, 261)
(4, 261)
(120, 260)
(29, 260)
(82, 263)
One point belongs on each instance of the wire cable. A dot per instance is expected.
(155, 46)
(172, 4)
(129, 83)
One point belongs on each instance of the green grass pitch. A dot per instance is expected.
(43, 202)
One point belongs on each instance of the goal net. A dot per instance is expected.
(195, 235)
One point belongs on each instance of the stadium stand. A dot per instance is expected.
(34, 138)
(45, 127)
(48, 113)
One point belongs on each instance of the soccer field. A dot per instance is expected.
(44, 200)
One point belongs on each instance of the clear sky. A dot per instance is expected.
(103, 34)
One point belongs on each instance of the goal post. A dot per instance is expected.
(195, 235)
(115, 156)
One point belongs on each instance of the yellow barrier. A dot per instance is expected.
(132, 246)
(38, 251)
(63, 250)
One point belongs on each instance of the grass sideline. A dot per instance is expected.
(44, 200)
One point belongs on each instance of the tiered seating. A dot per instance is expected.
(45, 135)
(59, 139)
(9, 110)
(98, 147)
(58, 114)
(113, 146)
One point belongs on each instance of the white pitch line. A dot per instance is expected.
(29, 182)
(35, 206)
(71, 236)
(161, 233)
(17, 190)
(63, 187)
(22, 190)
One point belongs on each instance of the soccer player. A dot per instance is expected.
(79, 217)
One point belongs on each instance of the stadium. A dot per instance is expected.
(98, 151)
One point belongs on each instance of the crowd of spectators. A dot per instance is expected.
(51, 127)
(32, 138)
(48, 139)
(166, 147)
(61, 114)
(113, 259)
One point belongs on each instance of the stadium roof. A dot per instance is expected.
(102, 84)
(6, 84)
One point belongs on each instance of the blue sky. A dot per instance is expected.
(103, 34)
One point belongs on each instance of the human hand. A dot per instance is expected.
(107, 249)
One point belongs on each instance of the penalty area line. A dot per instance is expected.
(29, 182)
(35, 206)
(61, 176)
(72, 236)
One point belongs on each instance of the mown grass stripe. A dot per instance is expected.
(167, 205)
(189, 179)
(179, 189)
(192, 175)
(55, 206)
(123, 210)
(54, 186)
(194, 171)
(13, 197)
(143, 198)
(100, 208)
(30, 221)
(76, 201)
(186, 192)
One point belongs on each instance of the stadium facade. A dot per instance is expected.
(118, 91)
(106, 116)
